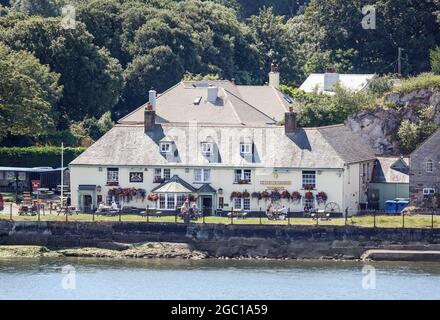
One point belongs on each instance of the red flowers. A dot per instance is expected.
(296, 196)
(309, 195)
(321, 196)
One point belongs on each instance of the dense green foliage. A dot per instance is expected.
(120, 49)
(37, 156)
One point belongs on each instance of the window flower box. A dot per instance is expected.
(112, 183)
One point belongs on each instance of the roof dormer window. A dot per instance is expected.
(207, 148)
(165, 147)
(245, 148)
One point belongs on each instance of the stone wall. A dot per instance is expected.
(225, 240)
(419, 178)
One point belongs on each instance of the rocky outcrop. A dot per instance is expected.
(378, 126)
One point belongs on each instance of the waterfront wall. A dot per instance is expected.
(308, 242)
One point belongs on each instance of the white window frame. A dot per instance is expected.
(243, 204)
(310, 201)
(202, 175)
(111, 176)
(207, 148)
(169, 201)
(246, 148)
(165, 147)
(162, 175)
(428, 191)
(429, 166)
(308, 180)
(242, 174)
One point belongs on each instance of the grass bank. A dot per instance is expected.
(417, 221)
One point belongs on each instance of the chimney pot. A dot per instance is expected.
(152, 94)
(274, 76)
(290, 124)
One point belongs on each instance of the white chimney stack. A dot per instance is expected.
(274, 76)
(212, 94)
(152, 98)
(331, 77)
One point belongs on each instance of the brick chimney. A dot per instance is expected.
(149, 118)
(290, 124)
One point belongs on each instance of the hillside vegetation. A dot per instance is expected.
(69, 84)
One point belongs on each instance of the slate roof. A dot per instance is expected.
(391, 170)
(239, 105)
(325, 147)
(206, 188)
(174, 185)
(354, 82)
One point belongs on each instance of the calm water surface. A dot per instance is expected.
(213, 279)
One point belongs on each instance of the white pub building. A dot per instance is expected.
(223, 146)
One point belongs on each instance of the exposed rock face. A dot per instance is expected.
(378, 126)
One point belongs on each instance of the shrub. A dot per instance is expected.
(435, 60)
(37, 156)
(378, 86)
(423, 81)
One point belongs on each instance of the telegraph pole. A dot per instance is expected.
(399, 62)
(62, 174)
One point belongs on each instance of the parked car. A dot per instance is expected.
(2, 205)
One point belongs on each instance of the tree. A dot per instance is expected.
(45, 8)
(275, 44)
(92, 79)
(435, 60)
(103, 20)
(160, 69)
(28, 90)
(335, 25)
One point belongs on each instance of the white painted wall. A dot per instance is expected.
(339, 184)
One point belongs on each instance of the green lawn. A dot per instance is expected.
(366, 221)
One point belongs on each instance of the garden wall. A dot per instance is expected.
(225, 240)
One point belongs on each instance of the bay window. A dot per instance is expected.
(169, 201)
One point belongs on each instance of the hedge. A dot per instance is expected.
(37, 156)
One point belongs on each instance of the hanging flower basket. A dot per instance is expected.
(245, 194)
(153, 197)
(309, 195)
(236, 194)
(265, 195)
(296, 196)
(321, 196)
(285, 195)
(191, 197)
(275, 195)
(257, 195)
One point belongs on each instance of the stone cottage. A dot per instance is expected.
(424, 177)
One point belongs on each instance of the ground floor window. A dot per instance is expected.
(242, 204)
(110, 199)
(169, 201)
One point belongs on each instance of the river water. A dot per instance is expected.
(71, 278)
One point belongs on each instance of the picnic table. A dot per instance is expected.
(321, 215)
(238, 214)
(67, 210)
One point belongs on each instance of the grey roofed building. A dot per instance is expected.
(325, 82)
(391, 170)
(238, 105)
(324, 147)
